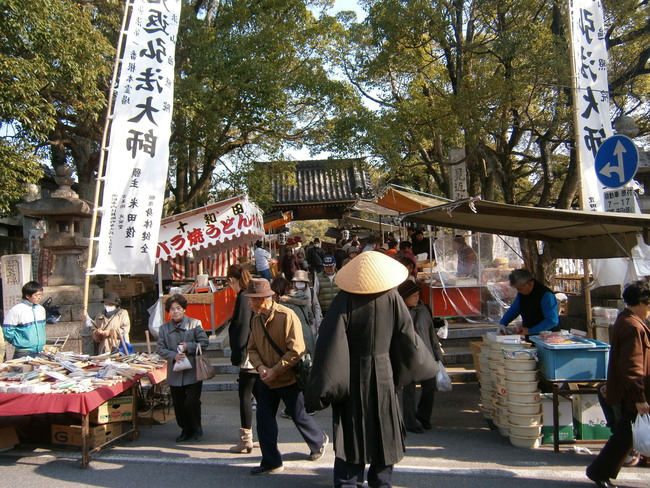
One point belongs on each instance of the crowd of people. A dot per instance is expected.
(356, 310)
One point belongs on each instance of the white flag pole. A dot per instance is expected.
(102, 156)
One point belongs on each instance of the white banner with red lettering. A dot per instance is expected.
(590, 67)
(138, 152)
(210, 230)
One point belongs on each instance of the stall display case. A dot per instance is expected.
(212, 309)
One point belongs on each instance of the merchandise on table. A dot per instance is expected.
(67, 372)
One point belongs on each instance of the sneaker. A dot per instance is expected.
(264, 470)
(315, 456)
(284, 414)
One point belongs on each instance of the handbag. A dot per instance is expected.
(301, 369)
(204, 368)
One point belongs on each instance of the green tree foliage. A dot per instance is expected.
(251, 82)
(54, 68)
(489, 76)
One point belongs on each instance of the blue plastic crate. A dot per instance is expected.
(586, 361)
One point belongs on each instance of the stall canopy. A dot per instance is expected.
(371, 224)
(276, 220)
(568, 233)
(210, 230)
(404, 200)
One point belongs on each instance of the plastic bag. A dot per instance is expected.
(183, 364)
(641, 434)
(443, 381)
(442, 327)
(52, 314)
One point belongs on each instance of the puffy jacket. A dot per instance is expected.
(24, 327)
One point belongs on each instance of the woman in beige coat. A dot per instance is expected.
(111, 324)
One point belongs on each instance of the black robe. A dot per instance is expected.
(366, 349)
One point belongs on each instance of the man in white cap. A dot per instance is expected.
(325, 289)
(276, 329)
(367, 349)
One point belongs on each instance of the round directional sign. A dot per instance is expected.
(616, 162)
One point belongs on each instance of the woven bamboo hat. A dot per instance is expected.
(371, 272)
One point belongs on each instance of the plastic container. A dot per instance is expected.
(530, 419)
(520, 364)
(534, 397)
(514, 375)
(586, 360)
(524, 408)
(521, 386)
(525, 442)
(525, 430)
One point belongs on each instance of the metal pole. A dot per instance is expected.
(575, 93)
(102, 157)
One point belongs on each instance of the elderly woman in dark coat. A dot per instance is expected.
(628, 382)
(366, 350)
(178, 339)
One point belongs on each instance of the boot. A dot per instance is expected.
(245, 442)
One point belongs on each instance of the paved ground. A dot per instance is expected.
(461, 451)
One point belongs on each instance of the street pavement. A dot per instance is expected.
(460, 451)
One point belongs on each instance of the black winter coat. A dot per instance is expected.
(366, 349)
(239, 330)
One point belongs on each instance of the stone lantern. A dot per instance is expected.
(63, 212)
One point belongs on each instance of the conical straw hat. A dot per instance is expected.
(371, 272)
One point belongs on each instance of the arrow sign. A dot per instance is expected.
(616, 161)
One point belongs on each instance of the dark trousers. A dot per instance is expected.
(247, 390)
(348, 475)
(268, 400)
(418, 413)
(611, 458)
(187, 406)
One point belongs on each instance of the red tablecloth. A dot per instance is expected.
(34, 403)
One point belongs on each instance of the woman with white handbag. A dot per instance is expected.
(177, 343)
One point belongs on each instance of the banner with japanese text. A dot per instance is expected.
(590, 63)
(138, 151)
(210, 230)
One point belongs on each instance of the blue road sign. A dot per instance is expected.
(616, 161)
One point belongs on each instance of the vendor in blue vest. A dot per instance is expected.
(325, 289)
(535, 303)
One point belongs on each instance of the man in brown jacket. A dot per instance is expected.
(628, 382)
(279, 324)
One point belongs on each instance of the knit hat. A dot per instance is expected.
(329, 261)
(352, 249)
(370, 272)
(259, 288)
(300, 275)
(408, 288)
(112, 298)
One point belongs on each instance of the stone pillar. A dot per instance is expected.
(16, 271)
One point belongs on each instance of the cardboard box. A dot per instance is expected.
(8, 437)
(565, 419)
(128, 286)
(116, 409)
(589, 418)
(70, 435)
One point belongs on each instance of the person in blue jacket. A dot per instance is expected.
(24, 324)
(535, 303)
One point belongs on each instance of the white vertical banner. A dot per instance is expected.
(138, 151)
(592, 104)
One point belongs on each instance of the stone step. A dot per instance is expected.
(457, 355)
(461, 373)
